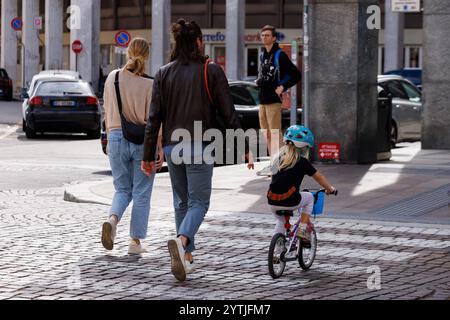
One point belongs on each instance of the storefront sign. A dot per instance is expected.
(218, 37)
(252, 37)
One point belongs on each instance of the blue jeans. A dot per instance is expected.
(130, 183)
(191, 187)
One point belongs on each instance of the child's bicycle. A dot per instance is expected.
(287, 247)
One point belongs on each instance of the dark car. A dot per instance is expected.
(6, 86)
(245, 96)
(412, 74)
(63, 106)
(246, 102)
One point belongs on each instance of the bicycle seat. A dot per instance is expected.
(285, 213)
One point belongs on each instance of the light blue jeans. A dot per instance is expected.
(191, 187)
(130, 183)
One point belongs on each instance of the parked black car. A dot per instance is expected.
(63, 106)
(6, 86)
(246, 102)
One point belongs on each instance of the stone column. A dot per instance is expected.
(394, 38)
(436, 71)
(88, 32)
(160, 34)
(343, 78)
(8, 46)
(96, 52)
(54, 34)
(30, 38)
(235, 45)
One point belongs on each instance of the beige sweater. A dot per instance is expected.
(136, 94)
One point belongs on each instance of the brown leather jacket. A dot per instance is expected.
(180, 98)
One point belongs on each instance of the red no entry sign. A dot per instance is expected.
(330, 151)
(77, 46)
(122, 38)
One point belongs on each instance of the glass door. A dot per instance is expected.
(252, 65)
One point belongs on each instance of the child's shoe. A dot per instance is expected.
(304, 231)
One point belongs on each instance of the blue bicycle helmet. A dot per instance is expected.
(300, 136)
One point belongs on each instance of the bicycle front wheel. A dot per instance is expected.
(307, 253)
(277, 250)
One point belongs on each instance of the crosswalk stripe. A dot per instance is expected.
(335, 237)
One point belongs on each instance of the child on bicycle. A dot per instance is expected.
(289, 167)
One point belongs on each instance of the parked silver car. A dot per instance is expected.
(406, 107)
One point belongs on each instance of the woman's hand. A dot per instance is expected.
(250, 161)
(148, 167)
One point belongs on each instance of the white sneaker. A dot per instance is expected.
(189, 266)
(135, 248)
(177, 252)
(109, 231)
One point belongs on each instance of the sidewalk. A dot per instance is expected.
(412, 187)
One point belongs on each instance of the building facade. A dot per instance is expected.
(286, 15)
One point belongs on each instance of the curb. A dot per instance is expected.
(81, 193)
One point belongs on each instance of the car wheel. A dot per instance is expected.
(394, 135)
(30, 133)
(94, 134)
(24, 125)
(9, 97)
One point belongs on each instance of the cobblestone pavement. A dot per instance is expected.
(51, 249)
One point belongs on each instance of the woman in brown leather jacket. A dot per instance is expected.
(180, 101)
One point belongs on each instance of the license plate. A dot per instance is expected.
(64, 103)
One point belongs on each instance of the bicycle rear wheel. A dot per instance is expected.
(277, 250)
(307, 254)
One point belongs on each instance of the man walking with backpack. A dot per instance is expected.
(277, 74)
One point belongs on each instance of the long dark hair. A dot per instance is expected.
(186, 48)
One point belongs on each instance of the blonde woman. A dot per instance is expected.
(131, 89)
(289, 167)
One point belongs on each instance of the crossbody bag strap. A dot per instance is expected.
(206, 80)
(119, 99)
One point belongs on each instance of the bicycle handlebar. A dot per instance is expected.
(335, 193)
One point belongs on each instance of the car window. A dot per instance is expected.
(3, 74)
(396, 89)
(61, 88)
(241, 96)
(254, 91)
(413, 74)
(413, 94)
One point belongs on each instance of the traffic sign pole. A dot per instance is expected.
(77, 48)
(305, 63)
(294, 50)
